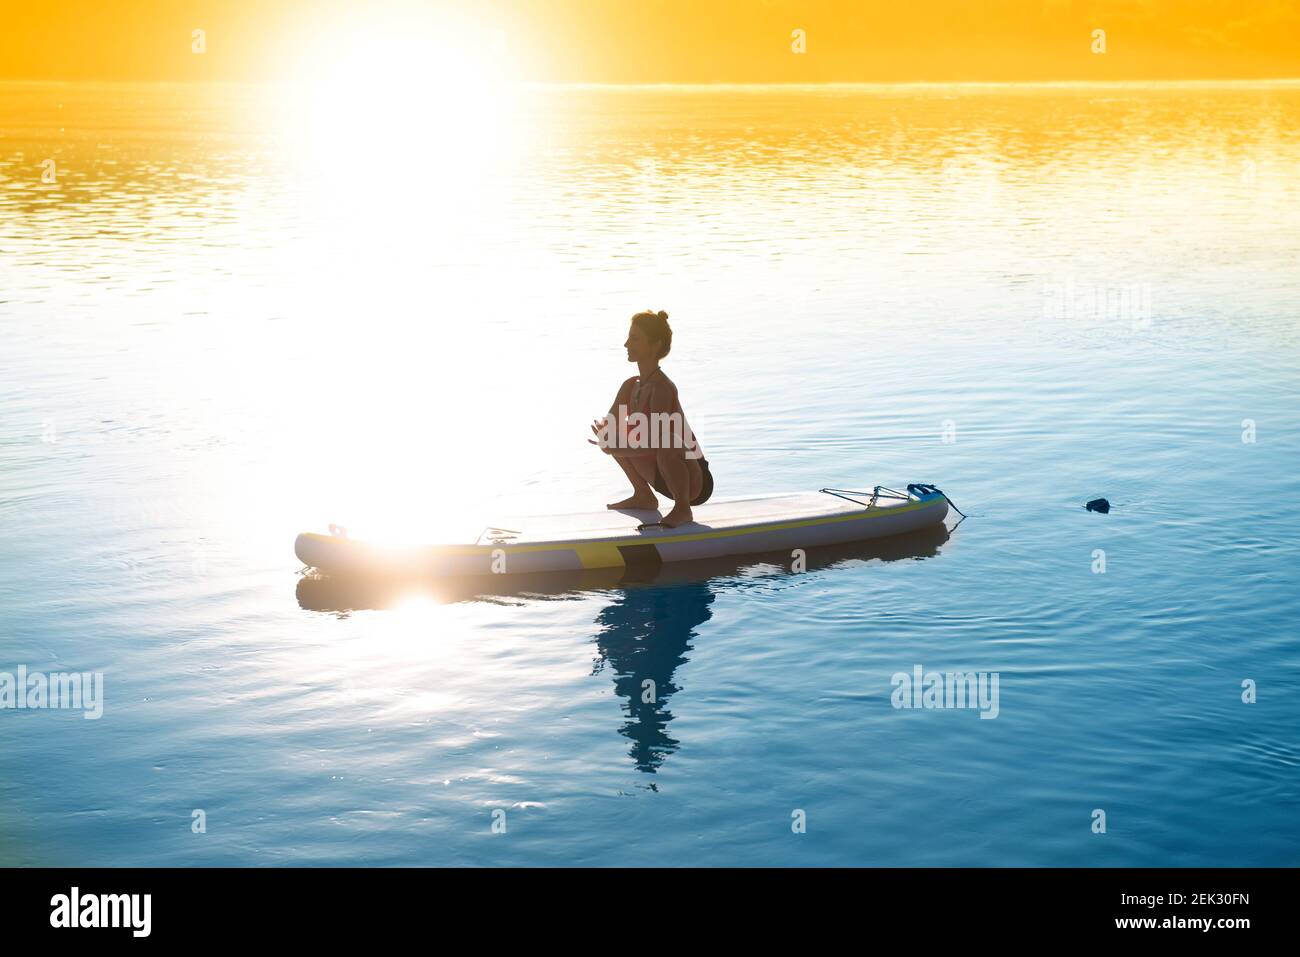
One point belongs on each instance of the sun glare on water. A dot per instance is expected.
(409, 99)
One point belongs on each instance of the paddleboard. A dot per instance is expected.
(634, 537)
(323, 591)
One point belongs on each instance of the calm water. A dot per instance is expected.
(237, 314)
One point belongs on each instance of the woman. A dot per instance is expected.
(662, 454)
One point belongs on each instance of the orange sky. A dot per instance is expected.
(620, 41)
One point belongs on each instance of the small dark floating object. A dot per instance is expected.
(1098, 505)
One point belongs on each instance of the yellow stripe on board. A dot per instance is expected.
(598, 555)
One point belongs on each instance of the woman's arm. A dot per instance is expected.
(599, 426)
(622, 396)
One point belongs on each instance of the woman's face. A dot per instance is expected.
(639, 348)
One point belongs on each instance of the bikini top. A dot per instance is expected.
(636, 403)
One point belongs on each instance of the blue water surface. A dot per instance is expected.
(1031, 297)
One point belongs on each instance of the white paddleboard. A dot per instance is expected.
(610, 539)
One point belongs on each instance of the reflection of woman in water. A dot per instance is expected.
(645, 635)
(679, 471)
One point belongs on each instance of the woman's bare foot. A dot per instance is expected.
(680, 515)
(639, 500)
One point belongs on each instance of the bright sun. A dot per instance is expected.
(413, 89)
